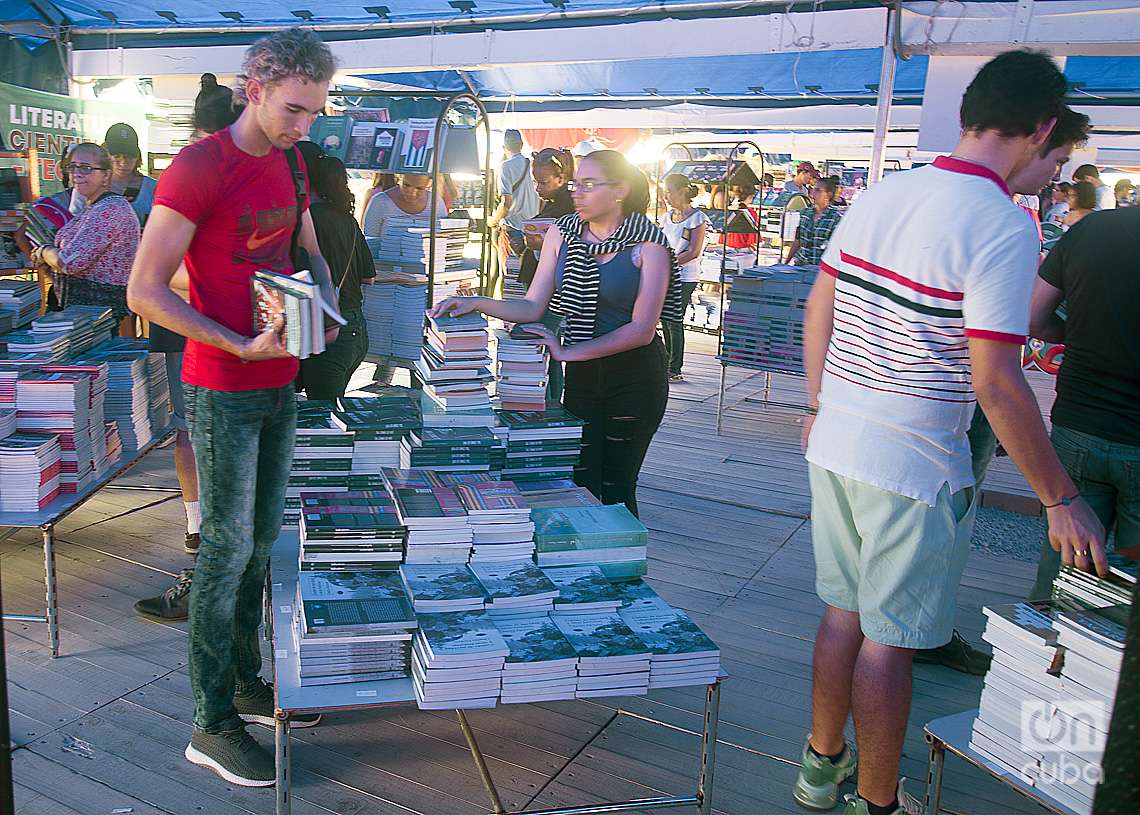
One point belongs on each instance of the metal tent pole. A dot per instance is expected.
(883, 109)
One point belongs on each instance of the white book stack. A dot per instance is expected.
(1024, 667)
(29, 471)
(501, 528)
(436, 588)
(1093, 643)
(542, 665)
(521, 370)
(453, 363)
(457, 661)
(515, 588)
(682, 654)
(612, 660)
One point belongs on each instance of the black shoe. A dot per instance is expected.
(957, 654)
(256, 705)
(191, 543)
(173, 604)
(234, 756)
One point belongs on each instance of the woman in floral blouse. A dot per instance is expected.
(95, 250)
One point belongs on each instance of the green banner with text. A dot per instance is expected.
(50, 123)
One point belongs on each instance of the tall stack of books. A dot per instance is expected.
(437, 524)
(542, 666)
(127, 402)
(612, 660)
(59, 403)
(607, 536)
(377, 425)
(515, 588)
(322, 453)
(453, 365)
(436, 588)
(98, 374)
(541, 445)
(22, 299)
(352, 626)
(157, 392)
(1024, 668)
(350, 530)
(29, 471)
(393, 310)
(582, 590)
(457, 661)
(77, 324)
(521, 370)
(682, 654)
(500, 522)
(1094, 642)
(450, 449)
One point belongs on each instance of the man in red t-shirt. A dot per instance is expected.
(227, 207)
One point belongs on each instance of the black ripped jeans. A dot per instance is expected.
(622, 400)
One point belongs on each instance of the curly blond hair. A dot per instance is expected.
(293, 52)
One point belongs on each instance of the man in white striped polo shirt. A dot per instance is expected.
(922, 300)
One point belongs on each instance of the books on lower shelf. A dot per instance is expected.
(609, 537)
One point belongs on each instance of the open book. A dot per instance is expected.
(293, 305)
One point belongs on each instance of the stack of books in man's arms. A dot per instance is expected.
(353, 626)
(606, 536)
(350, 530)
(292, 306)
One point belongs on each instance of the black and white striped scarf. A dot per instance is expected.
(577, 298)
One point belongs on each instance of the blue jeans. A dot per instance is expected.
(1107, 475)
(243, 444)
(675, 332)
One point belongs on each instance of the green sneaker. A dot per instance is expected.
(256, 705)
(234, 756)
(817, 786)
(957, 655)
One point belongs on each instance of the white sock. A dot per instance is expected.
(193, 517)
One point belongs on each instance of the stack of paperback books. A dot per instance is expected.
(612, 660)
(1024, 667)
(294, 307)
(377, 425)
(562, 493)
(29, 471)
(1076, 590)
(638, 595)
(515, 588)
(72, 322)
(7, 422)
(442, 587)
(352, 626)
(541, 445)
(542, 666)
(521, 370)
(322, 452)
(607, 536)
(98, 374)
(448, 449)
(324, 485)
(21, 298)
(682, 654)
(500, 522)
(158, 393)
(127, 401)
(437, 524)
(350, 530)
(434, 415)
(457, 661)
(453, 365)
(54, 345)
(582, 590)
(393, 310)
(59, 403)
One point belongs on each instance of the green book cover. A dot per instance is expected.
(669, 632)
(535, 639)
(443, 581)
(327, 616)
(513, 579)
(581, 584)
(601, 527)
(355, 585)
(462, 634)
(600, 635)
(637, 595)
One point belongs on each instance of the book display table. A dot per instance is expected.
(47, 518)
(291, 698)
(952, 734)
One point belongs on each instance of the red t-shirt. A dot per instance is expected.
(245, 207)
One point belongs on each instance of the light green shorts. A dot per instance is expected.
(894, 560)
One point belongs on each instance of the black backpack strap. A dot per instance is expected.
(299, 179)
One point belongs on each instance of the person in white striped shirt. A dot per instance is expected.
(922, 300)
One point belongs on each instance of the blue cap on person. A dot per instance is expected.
(512, 136)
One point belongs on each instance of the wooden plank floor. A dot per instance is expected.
(102, 729)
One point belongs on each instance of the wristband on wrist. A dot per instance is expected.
(813, 410)
(1064, 502)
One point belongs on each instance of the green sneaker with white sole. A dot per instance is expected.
(817, 786)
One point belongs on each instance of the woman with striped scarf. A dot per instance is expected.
(609, 271)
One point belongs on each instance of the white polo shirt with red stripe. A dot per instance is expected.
(922, 261)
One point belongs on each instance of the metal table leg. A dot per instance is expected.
(480, 763)
(708, 749)
(932, 802)
(281, 742)
(49, 582)
(720, 398)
